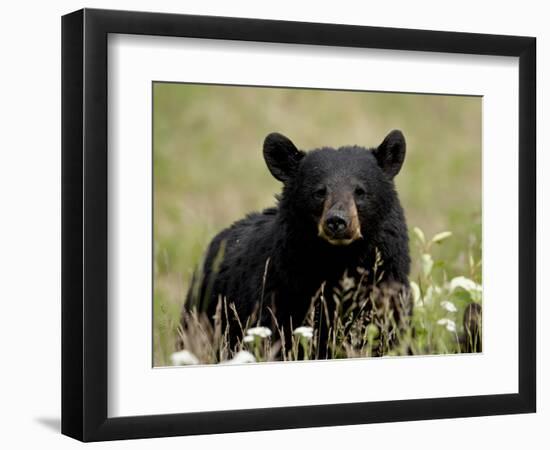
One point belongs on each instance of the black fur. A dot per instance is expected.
(285, 239)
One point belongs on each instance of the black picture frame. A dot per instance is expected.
(84, 224)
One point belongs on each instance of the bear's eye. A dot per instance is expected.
(320, 193)
(359, 192)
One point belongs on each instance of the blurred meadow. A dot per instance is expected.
(209, 171)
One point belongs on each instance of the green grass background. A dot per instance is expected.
(209, 170)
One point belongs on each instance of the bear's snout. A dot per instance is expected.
(339, 224)
(336, 225)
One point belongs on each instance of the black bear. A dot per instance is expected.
(338, 213)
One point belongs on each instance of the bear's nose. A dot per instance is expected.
(336, 224)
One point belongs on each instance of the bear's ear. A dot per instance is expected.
(390, 154)
(281, 156)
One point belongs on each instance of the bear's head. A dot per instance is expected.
(340, 195)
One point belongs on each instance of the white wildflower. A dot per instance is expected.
(305, 332)
(448, 323)
(262, 332)
(184, 358)
(449, 306)
(464, 283)
(248, 339)
(241, 357)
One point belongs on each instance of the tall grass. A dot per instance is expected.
(363, 323)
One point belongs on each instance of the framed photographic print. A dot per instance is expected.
(272, 224)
